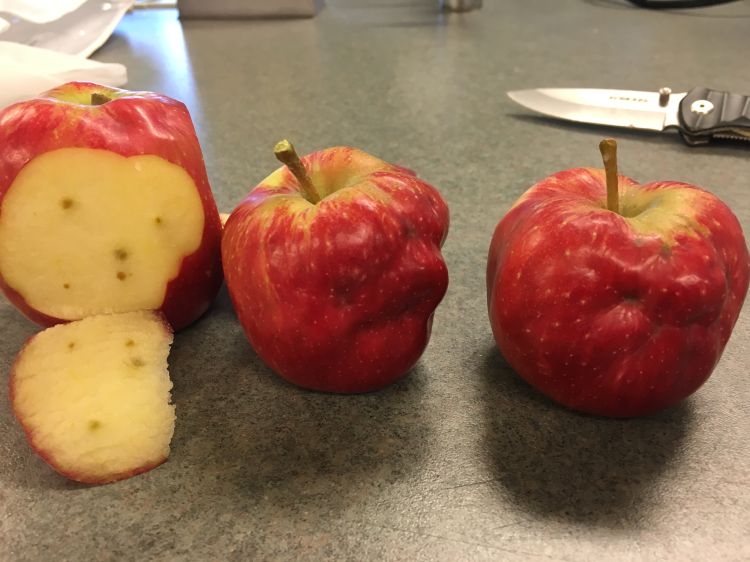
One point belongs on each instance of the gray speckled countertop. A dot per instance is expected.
(460, 460)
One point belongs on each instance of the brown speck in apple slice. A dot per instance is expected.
(121, 275)
(66, 203)
(121, 254)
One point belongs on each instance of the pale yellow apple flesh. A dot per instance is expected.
(94, 395)
(87, 231)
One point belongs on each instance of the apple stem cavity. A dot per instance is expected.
(99, 99)
(608, 148)
(285, 153)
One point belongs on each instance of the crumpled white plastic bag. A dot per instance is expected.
(26, 71)
(40, 11)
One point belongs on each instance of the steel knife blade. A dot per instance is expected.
(700, 114)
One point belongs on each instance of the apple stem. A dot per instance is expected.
(99, 99)
(608, 148)
(285, 152)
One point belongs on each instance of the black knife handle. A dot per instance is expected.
(707, 114)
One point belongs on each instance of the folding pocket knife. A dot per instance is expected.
(700, 115)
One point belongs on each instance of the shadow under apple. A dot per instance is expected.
(559, 464)
(250, 437)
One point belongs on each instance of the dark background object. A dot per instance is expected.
(675, 4)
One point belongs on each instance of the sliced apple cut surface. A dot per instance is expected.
(87, 231)
(93, 396)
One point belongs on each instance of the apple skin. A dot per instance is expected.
(46, 455)
(131, 124)
(606, 318)
(339, 296)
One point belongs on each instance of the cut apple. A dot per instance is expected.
(93, 396)
(85, 231)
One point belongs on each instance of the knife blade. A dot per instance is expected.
(700, 114)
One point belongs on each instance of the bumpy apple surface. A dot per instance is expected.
(338, 294)
(615, 314)
(105, 207)
(93, 395)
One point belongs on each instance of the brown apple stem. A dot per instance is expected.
(285, 152)
(608, 148)
(99, 99)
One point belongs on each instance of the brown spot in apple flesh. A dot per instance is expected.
(66, 285)
(129, 343)
(94, 425)
(71, 345)
(137, 362)
(121, 275)
(121, 254)
(157, 220)
(66, 203)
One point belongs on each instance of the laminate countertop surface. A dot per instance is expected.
(460, 460)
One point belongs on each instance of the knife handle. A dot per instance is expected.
(707, 114)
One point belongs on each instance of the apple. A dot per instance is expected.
(333, 265)
(614, 298)
(105, 207)
(93, 395)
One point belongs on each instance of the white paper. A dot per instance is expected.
(40, 11)
(79, 32)
(28, 71)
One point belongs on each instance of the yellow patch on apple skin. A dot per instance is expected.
(74, 216)
(662, 213)
(276, 179)
(333, 171)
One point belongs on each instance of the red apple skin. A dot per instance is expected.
(625, 324)
(133, 123)
(338, 297)
(46, 455)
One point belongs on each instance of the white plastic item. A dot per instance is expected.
(80, 31)
(28, 71)
(39, 11)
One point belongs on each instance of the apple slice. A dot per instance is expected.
(93, 396)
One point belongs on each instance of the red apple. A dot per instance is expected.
(93, 395)
(615, 313)
(334, 268)
(105, 207)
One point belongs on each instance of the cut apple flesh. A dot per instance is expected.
(87, 231)
(94, 395)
